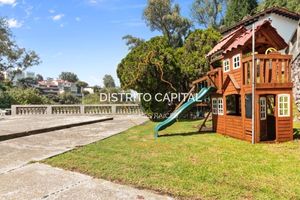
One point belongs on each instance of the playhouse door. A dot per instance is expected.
(263, 118)
(267, 118)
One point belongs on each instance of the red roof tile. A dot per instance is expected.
(225, 40)
(246, 36)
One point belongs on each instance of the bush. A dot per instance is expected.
(68, 98)
(91, 99)
(5, 100)
(20, 96)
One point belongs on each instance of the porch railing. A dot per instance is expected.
(101, 109)
(271, 68)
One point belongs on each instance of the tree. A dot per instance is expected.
(132, 41)
(91, 99)
(208, 13)
(163, 16)
(152, 68)
(292, 5)
(69, 76)
(80, 85)
(39, 77)
(108, 81)
(26, 82)
(96, 88)
(23, 96)
(237, 10)
(12, 57)
(193, 61)
(155, 67)
(68, 98)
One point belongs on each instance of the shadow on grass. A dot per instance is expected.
(186, 134)
(296, 133)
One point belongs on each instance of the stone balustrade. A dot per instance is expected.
(101, 109)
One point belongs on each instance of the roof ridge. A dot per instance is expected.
(271, 9)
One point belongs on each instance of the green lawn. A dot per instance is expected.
(296, 125)
(191, 166)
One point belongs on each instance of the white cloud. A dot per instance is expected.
(28, 11)
(57, 17)
(93, 1)
(8, 2)
(78, 19)
(13, 23)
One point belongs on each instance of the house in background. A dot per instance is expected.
(284, 21)
(57, 87)
(90, 90)
(294, 49)
(287, 25)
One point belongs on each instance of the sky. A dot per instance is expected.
(80, 36)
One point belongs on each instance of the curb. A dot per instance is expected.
(49, 129)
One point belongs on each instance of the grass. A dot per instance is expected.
(189, 165)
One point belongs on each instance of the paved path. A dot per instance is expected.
(39, 181)
(21, 180)
(20, 125)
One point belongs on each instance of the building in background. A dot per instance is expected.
(90, 90)
(51, 86)
(294, 49)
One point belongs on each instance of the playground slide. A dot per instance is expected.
(182, 109)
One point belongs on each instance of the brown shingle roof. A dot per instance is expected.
(280, 11)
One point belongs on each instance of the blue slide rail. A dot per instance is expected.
(182, 109)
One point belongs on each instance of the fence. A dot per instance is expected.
(101, 109)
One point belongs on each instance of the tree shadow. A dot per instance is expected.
(186, 134)
(296, 132)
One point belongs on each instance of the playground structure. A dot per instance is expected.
(231, 76)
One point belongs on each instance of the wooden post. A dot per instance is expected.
(253, 83)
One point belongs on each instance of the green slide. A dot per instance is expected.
(182, 109)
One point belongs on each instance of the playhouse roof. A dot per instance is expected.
(241, 36)
(247, 36)
(230, 78)
(225, 40)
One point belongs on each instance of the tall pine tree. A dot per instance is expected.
(238, 9)
(292, 5)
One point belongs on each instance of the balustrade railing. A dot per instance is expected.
(101, 109)
(271, 68)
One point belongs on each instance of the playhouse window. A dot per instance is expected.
(236, 61)
(248, 105)
(220, 106)
(263, 108)
(284, 105)
(226, 65)
(215, 106)
(233, 105)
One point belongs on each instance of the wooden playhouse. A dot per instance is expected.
(231, 73)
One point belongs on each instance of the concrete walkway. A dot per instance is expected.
(39, 181)
(21, 180)
(20, 126)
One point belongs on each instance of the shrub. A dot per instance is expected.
(68, 98)
(20, 96)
